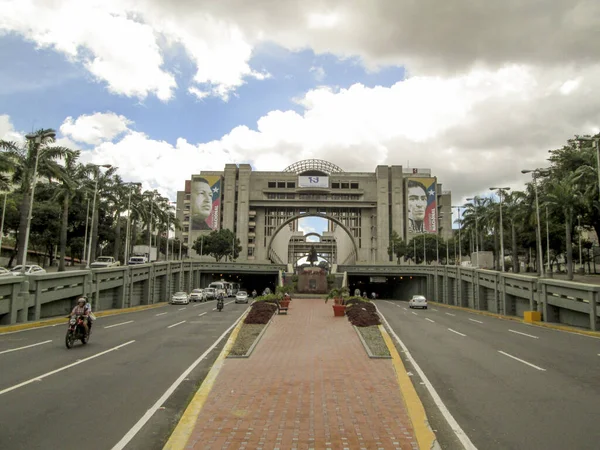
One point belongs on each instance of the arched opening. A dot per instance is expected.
(346, 248)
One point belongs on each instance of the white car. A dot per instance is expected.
(30, 269)
(180, 298)
(210, 293)
(417, 301)
(241, 297)
(5, 272)
(197, 295)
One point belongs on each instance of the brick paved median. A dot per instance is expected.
(308, 384)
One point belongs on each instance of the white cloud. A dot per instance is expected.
(7, 130)
(95, 128)
(318, 72)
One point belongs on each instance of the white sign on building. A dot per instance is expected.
(313, 182)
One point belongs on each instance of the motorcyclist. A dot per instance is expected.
(91, 317)
(80, 310)
(220, 300)
(254, 293)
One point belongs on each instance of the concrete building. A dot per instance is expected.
(363, 209)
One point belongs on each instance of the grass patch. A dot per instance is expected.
(247, 335)
(374, 340)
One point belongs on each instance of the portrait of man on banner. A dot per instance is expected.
(205, 202)
(421, 205)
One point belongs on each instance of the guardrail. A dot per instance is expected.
(34, 297)
(567, 302)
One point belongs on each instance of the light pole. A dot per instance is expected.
(579, 232)
(424, 249)
(437, 239)
(34, 140)
(87, 218)
(535, 174)
(168, 229)
(501, 194)
(459, 238)
(2, 224)
(548, 243)
(89, 253)
(128, 230)
(595, 143)
(475, 201)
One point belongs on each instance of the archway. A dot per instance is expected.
(314, 214)
(313, 234)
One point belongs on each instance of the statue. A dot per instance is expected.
(312, 256)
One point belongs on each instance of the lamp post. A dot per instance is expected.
(34, 140)
(89, 252)
(475, 200)
(459, 238)
(535, 174)
(128, 228)
(579, 232)
(595, 143)
(87, 218)
(168, 229)
(424, 249)
(437, 239)
(501, 194)
(2, 224)
(548, 272)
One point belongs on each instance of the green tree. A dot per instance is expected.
(397, 247)
(219, 244)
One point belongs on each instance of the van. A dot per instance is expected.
(137, 260)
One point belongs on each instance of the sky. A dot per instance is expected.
(474, 91)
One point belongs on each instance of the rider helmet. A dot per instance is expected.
(81, 300)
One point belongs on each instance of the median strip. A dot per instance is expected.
(47, 374)
(23, 348)
(522, 361)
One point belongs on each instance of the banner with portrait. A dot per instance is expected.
(421, 205)
(205, 199)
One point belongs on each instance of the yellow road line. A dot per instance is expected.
(185, 427)
(425, 436)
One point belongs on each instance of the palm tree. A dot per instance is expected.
(563, 196)
(7, 163)
(105, 183)
(515, 212)
(39, 147)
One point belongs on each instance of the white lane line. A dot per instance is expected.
(450, 314)
(79, 361)
(433, 309)
(181, 309)
(458, 431)
(391, 303)
(175, 324)
(26, 346)
(405, 309)
(148, 415)
(118, 324)
(161, 314)
(414, 313)
(214, 309)
(524, 334)
(454, 331)
(427, 318)
(197, 304)
(522, 360)
(473, 320)
(202, 314)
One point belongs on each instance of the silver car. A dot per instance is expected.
(417, 301)
(197, 295)
(180, 298)
(241, 297)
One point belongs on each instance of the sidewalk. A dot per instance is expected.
(308, 385)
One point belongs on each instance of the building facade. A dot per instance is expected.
(362, 208)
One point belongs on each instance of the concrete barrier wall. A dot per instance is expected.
(34, 297)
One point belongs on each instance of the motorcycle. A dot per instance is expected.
(220, 304)
(76, 331)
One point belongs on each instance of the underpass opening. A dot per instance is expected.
(247, 281)
(397, 287)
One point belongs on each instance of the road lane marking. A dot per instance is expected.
(23, 348)
(454, 426)
(521, 360)
(202, 314)
(79, 361)
(405, 309)
(391, 303)
(450, 314)
(427, 318)
(414, 313)
(175, 324)
(161, 314)
(457, 332)
(181, 309)
(433, 309)
(197, 304)
(214, 309)
(148, 415)
(118, 324)
(474, 320)
(524, 334)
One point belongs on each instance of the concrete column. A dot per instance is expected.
(383, 216)
(593, 311)
(38, 301)
(14, 304)
(122, 290)
(459, 293)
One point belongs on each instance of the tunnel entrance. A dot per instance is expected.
(389, 287)
(248, 281)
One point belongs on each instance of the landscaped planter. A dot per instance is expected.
(284, 303)
(339, 310)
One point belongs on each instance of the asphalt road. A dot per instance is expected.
(548, 398)
(91, 396)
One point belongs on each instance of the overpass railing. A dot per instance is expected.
(34, 297)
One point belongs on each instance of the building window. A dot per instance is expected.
(272, 184)
(281, 196)
(185, 240)
(290, 196)
(345, 186)
(186, 218)
(272, 196)
(186, 229)
(250, 251)
(186, 208)
(281, 184)
(291, 184)
(335, 185)
(353, 185)
(188, 196)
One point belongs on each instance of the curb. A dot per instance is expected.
(255, 343)
(184, 428)
(367, 349)
(416, 411)
(58, 320)
(551, 326)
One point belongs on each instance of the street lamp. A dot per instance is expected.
(437, 239)
(501, 193)
(596, 141)
(89, 253)
(548, 243)
(535, 174)
(459, 238)
(475, 200)
(128, 230)
(2, 224)
(579, 232)
(35, 140)
(168, 229)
